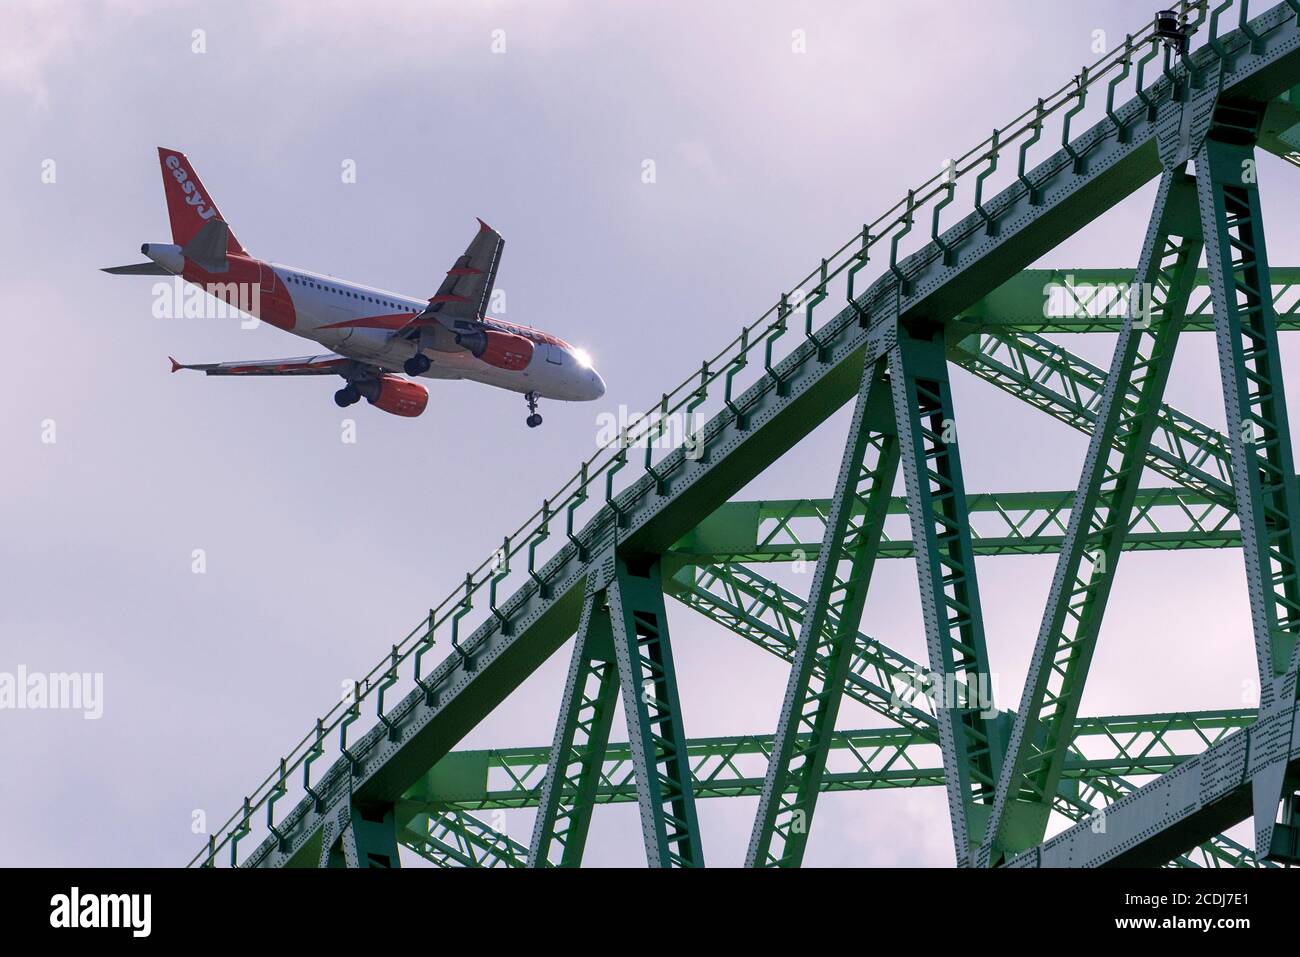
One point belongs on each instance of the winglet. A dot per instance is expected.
(176, 366)
(484, 227)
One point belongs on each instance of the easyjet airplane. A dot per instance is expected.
(371, 333)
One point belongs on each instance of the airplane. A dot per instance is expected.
(372, 334)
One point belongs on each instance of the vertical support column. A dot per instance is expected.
(654, 725)
(578, 748)
(1263, 466)
(945, 562)
(830, 629)
(1099, 519)
(360, 837)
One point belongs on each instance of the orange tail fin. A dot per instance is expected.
(189, 204)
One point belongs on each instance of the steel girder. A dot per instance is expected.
(969, 731)
(453, 838)
(1095, 300)
(861, 759)
(824, 651)
(963, 263)
(1255, 770)
(883, 680)
(1202, 796)
(443, 832)
(1099, 521)
(581, 734)
(1268, 506)
(654, 715)
(1070, 389)
(360, 837)
(1002, 523)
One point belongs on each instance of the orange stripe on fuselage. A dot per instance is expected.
(274, 305)
(394, 321)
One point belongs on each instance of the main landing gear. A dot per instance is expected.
(533, 420)
(418, 364)
(346, 396)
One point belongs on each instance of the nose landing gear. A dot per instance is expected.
(533, 420)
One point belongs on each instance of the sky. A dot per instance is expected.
(318, 554)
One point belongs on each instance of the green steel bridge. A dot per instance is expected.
(878, 323)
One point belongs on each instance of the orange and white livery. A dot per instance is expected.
(372, 335)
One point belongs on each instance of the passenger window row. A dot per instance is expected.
(304, 281)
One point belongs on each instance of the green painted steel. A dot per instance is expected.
(1268, 504)
(769, 616)
(1001, 523)
(654, 715)
(638, 521)
(862, 759)
(1099, 520)
(824, 652)
(1046, 301)
(1051, 378)
(945, 561)
(454, 838)
(581, 733)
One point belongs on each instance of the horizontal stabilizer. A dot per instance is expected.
(138, 269)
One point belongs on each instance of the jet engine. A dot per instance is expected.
(504, 350)
(395, 395)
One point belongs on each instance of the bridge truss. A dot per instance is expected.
(640, 525)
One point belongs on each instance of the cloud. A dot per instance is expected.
(41, 35)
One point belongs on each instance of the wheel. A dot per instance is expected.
(346, 396)
(418, 364)
(534, 420)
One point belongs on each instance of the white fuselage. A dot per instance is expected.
(358, 322)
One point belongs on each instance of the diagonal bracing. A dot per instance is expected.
(581, 734)
(1099, 520)
(826, 643)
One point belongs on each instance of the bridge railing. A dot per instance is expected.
(1142, 68)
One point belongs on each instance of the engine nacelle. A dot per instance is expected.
(504, 350)
(395, 395)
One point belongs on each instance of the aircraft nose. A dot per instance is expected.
(597, 383)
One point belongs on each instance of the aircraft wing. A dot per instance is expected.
(327, 364)
(465, 292)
